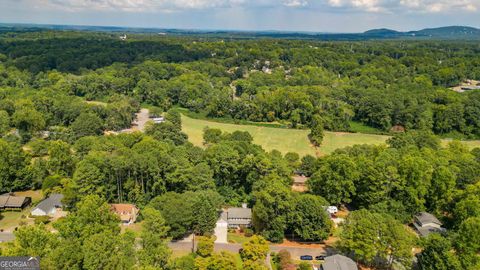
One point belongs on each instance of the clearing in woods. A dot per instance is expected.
(282, 139)
(290, 140)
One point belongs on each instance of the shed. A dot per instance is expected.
(8, 201)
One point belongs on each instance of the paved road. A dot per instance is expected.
(296, 252)
(6, 237)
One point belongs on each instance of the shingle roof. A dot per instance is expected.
(53, 201)
(426, 230)
(425, 218)
(9, 201)
(339, 262)
(239, 212)
(299, 179)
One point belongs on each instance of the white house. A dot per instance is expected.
(426, 223)
(49, 206)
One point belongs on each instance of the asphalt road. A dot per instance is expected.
(6, 237)
(296, 252)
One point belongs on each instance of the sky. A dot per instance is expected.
(285, 15)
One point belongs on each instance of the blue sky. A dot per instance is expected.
(289, 15)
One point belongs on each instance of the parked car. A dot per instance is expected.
(320, 257)
(306, 258)
(332, 210)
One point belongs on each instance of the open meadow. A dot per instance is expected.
(282, 139)
(289, 140)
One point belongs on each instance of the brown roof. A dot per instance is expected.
(9, 201)
(299, 179)
(127, 212)
(3, 201)
(123, 208)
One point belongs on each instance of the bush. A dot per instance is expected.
(248, 232)
(42, 220)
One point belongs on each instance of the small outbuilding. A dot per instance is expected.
(49, 206)
(11, 202)
(338, 262)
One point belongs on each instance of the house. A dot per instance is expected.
(221, 230)
(338, 262)
(299, 182)
(238, 216)
(126, 212)
(158, 120)
(426, 223)
(10, 202)
(49, 206)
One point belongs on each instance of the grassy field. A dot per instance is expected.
(281, 139)
(290, 140)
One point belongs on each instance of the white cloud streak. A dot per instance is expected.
(371, 6)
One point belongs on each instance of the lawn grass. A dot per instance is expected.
(282, 139)
(291, 140)
(11, 219)
(237, 238)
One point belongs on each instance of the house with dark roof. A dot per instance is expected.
(426, 223)
(238, 216)
(49, 206)
(10, 202)
(338, 262)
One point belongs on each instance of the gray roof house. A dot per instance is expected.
(338, 262)
(238, 216)
(48, 206)
(426, 223)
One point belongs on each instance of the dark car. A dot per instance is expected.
(320, 257)
(306, 258)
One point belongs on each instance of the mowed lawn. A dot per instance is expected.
(290, 140)
(282, 139)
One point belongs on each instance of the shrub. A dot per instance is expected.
(42, 220)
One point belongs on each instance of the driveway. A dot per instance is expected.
(142, 117)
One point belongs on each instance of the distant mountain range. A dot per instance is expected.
(448, 32)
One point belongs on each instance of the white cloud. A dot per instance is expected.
(295, 3)
(410, 6)
(374, 6)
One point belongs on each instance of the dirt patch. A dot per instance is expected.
(293, 243)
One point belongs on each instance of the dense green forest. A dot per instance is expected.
(379, 83)
(53, 139)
